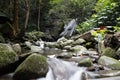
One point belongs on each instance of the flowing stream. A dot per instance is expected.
(63, 70)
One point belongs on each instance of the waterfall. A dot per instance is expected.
(69, 28)
(63, 70)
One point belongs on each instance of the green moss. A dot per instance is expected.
(109, 62)
(34, 35)
(7, 55)
(35, 65)
(109, 52)
(7, 58)
(87, 62)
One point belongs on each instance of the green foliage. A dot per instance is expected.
(33, 35)
(107, 14)
(101, 4)
(67, 9)
(116, 28)
(52, 2)
(85, 26)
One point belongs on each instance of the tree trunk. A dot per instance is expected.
(27, 14)
(39, 18)
(15, 18)
(10, 8)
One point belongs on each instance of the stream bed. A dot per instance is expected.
(67, 69)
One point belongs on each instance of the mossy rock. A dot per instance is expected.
(109, 52)
(34, 35)
(51, 44)
(109, 62)
(33, 67)
(86, 62)
(79, 41)
(78, 48)
(7, 55)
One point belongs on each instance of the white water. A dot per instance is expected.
(63, 70)
(70, 28)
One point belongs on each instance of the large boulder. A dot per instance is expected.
(109, 52)
(7, 57)
(34, 66)
(86, 62)
(109, 62)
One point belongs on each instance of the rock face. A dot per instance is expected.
(7, 57)
(34, 66)
(109, 62)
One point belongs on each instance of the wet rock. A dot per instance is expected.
(28, 44)
(34, 66)
(78, 41)
(68, 47)
(101, 75)
(64, 55)
(92, 54)
(107, 78)
(7, 57)
(92, 68)
(36, 49)
(77, 59)
(109, 52)
(109, 62)
(109, 73)
(78, 48)
(62, 39)
(68, 42)
(40, 43)
(51, 44)
(17, 48)
(86, 62)
(64, 42)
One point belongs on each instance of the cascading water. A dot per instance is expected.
(63, 70)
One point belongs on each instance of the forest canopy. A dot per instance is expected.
(46, 15)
